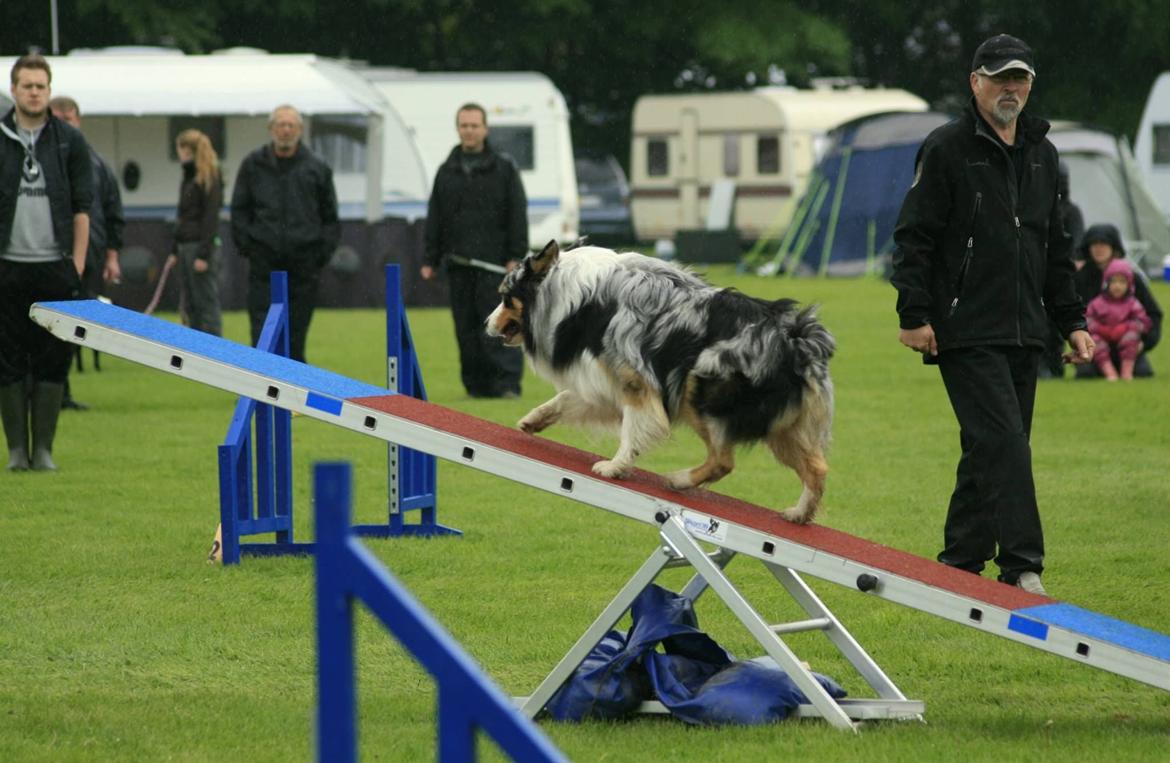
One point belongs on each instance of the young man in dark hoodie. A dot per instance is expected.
(982, 262)
(46, 188)
(477, 216)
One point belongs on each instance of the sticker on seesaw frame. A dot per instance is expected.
(704, 526)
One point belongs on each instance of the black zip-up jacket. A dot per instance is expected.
(64, 158)
(980, 255)
(482, 214)
(198, 214)
(294, 209)
(106, 219)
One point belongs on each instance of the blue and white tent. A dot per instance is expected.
(844, 224)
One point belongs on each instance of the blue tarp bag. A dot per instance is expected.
(694, 677)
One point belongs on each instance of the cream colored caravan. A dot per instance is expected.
(766, 140)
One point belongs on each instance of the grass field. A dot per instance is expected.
(118, 641)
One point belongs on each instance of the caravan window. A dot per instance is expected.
(340, 141)
(731, 155)
(767, 155)
(1162, 144)
(212, 127)
(516, 141)
(657, 160)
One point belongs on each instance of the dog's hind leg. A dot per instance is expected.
(644, 425)
(808, 461)
(720, 458)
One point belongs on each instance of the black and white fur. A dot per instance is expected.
(637, 343)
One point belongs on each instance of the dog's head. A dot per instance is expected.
(518, 293)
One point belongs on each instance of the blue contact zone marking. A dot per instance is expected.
(185, 340)
(323, 403)
(1102, 628)
(1028, 627)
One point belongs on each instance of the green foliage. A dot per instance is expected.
(117, 641)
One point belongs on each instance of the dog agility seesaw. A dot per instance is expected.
(681, 519)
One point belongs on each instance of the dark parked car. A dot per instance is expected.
(605, 199)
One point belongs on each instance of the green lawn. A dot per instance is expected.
(118, 642)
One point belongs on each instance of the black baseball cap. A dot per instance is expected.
(1002, 53)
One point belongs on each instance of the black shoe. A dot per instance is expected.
(72, 405)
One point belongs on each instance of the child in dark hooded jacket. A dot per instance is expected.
(1117, 321)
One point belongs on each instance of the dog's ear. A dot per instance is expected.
(546, 259)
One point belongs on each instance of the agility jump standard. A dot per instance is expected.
(682, 519)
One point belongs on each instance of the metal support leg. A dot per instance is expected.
(844, 641)
(685, 545)
(601, 626)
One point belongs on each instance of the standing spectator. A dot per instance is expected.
(46, 190)
(106, 222)
(1117, 321)
(477, 214)
(284, 217)
(1101, 245)
(981, 257)
(196, 250)
(1052, 364)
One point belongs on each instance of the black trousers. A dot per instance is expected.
(304, 274)
(488, 368)
(993, 512)
(25, 347)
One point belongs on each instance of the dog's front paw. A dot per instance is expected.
(797, 515)
(610, 469)
(533, 423)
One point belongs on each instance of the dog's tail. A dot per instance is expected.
(813, 345)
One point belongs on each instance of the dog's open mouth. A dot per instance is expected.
(510, 331)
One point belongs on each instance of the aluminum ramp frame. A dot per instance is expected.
(1037, 621)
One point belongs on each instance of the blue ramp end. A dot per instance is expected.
(1103, 628)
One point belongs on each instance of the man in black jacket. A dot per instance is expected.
(477, 226)
(46, 189)
(106, 222)
(284, 217)
(981, 261)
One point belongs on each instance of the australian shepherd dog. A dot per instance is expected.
(635, 343)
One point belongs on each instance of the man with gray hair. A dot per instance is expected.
(981, 262)
(284, 217)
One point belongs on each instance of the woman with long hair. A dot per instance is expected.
(197, 249)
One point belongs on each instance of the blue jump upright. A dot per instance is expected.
(467, 699)
(255, 460)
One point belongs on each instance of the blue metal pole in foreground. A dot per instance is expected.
(468, 700)
(336, 725)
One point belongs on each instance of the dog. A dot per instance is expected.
(636, 343)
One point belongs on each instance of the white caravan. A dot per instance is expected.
(767, 141)
(527, 119)
(135, 101)
(1152, 147)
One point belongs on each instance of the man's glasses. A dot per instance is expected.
(1012, 77)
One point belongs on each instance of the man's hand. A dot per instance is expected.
(1082, 346)
(199, 265)
(112, 272)
(920, 339)
(427, 272)
(511, 265)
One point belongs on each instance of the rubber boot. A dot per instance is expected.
(46, 406)
(14, 412)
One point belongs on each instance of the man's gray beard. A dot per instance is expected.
(1004, 115)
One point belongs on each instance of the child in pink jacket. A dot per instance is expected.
(1117, 320)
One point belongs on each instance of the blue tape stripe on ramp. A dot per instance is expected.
(1103, 628)
(1028, 627)
(185, 340)
(323, 403)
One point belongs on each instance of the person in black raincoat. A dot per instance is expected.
(982, 261)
